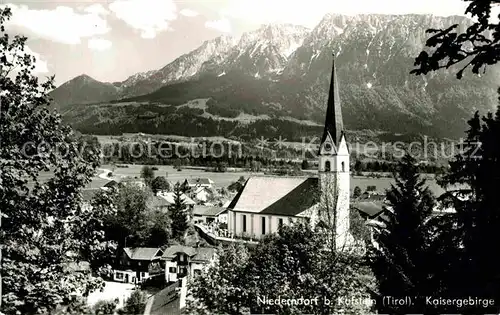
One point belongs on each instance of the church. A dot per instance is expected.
(266, 202)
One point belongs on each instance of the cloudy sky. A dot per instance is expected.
(111, 40)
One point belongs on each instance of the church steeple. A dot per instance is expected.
(333, 123)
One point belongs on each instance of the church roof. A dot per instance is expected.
(333, 122)
(272, 195)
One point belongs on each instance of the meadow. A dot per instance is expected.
(225, 179)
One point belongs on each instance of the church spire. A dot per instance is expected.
(333, 122)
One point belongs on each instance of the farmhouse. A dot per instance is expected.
(137, 264)
(181, 261)
(265, 202)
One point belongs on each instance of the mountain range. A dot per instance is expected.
(274, 82)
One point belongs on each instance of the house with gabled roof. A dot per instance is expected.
(202, 193)
(198, 182)
(169, 199)
(266, 202)
(110, 185)
(209, 214)
(137, 264)
(182, 261)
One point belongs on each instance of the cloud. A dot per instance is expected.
(222, 25)
(40, 64)
(99, 44)
(96, 8)
(189, 13)
(310, 12)
(62, 24)
(148, 16)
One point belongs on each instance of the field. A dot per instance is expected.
(220, 179)
(225, 179)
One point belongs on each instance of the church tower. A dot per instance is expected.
(333, 169)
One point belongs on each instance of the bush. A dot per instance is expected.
(135, 304)
(105, 272)
(105, 307)
(110, 174)
(154, 168)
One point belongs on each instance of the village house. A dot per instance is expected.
(137, 264)
(266, 202)
(110, 185)
(202, 194)
(182, 261)
(369, 210)
(209, 214)
(115, 183)
(198, 182)
(169, 199)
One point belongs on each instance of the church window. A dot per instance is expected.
(244, 223)
(263, 225)
(343, 167)
(327, 166)
(280, 222)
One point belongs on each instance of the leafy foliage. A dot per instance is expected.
(237, 185)
(160, 183)
(220, 289)
(105, 307)
(44, 225)
(357, 192)
(472, 46)
(290, 264)
(148, 174)
(135, 304)
(134, 221)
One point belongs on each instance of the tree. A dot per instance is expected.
(468, 236)
(160, 183)
(42, 222)
(133, 221)
(179, 214)
(159, 228)
(290, 264)
(104, 307)
(220, 289)
(400, 261)
(471, 46)
(255, 166)
(135, 304)
(238, 185)
(148, 174)
(305, 165)
(357, 192)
